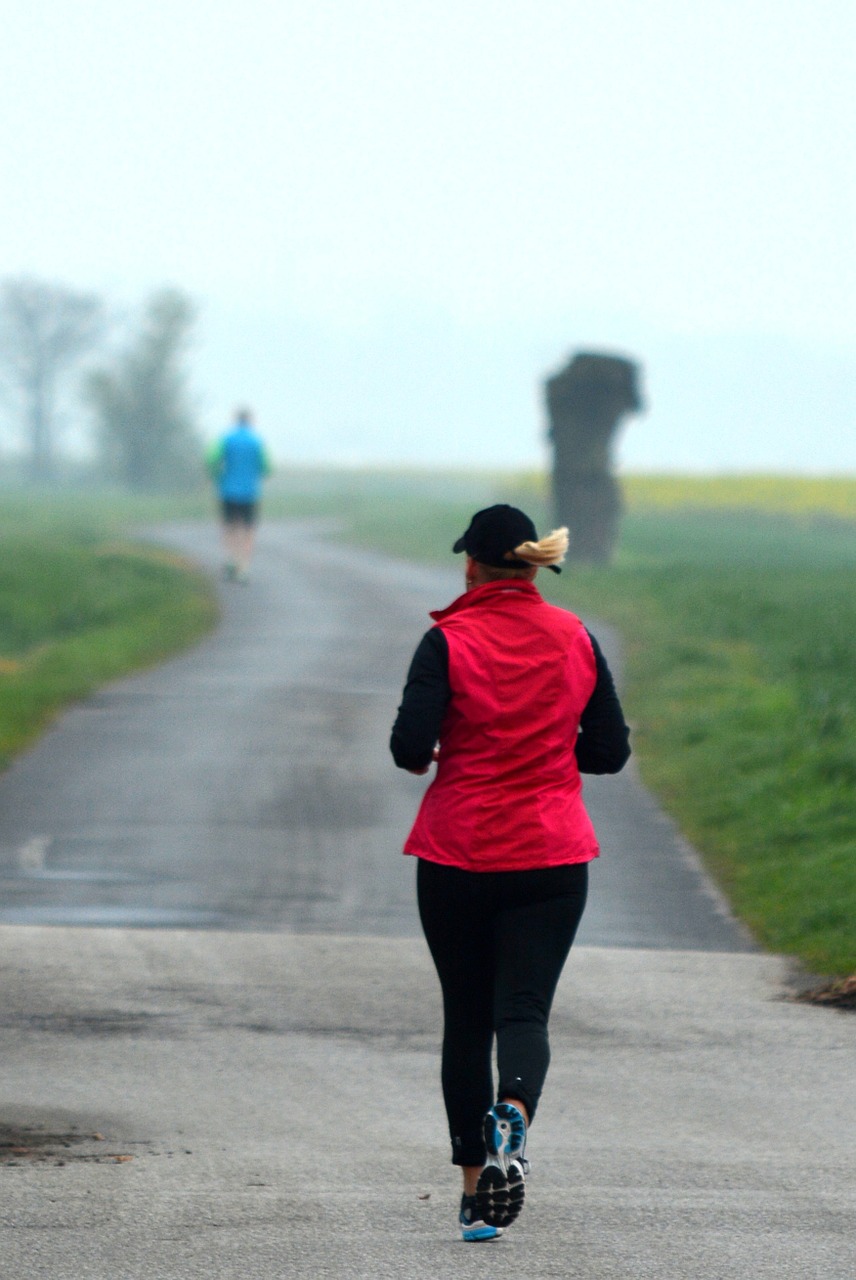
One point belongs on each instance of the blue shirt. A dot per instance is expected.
(239, 464)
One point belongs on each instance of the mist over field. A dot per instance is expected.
(392, 228)
(417, 389)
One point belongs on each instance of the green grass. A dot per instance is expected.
(738, 612)
(741, 669)
(80, 605)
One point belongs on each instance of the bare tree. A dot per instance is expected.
(147, 434)
(45, 330)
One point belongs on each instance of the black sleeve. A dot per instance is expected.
(603, 743)
(423, 705)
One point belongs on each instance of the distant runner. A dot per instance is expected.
(519, 697)
(238, 463)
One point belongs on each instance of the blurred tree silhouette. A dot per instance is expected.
(586, 401)
(45, 331)
(146, 430)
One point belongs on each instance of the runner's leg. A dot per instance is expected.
(459, 936)
(534, 931)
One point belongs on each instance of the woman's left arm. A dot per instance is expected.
(603, 744)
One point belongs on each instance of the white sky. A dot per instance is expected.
(398, 217)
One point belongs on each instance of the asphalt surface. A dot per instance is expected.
(248, 784)
(236, 1073)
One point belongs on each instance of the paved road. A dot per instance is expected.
(270, 1109)
(248, 784)
(247, 1089)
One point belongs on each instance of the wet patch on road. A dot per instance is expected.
(29, 1145)
(110, 1022)
(417, 1040)
(323, 797)
(191, 1020)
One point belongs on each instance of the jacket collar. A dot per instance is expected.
(488, 592)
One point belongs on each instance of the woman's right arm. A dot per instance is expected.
(423, 704)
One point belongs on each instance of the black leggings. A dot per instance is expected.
(499, 941)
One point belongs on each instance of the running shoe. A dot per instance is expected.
(473, 1229)
(501, 1186)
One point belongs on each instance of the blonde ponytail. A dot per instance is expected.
(548, 551)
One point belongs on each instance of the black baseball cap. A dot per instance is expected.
(493, 532)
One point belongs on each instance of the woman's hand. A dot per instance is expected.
(435, 756)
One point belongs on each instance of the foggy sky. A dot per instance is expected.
(399, 217)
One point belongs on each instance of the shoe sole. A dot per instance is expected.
(501, 1187)
(500, 1195)
(504, 1132)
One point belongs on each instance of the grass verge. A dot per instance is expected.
(80, 605)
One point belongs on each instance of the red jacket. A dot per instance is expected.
(507, 795)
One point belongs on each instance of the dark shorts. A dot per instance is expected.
(239, 512)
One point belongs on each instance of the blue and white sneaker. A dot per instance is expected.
(502, 1183)
(472, 1227)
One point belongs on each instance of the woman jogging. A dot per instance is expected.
(513, 698)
